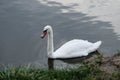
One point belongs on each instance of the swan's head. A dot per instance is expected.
(46, 30)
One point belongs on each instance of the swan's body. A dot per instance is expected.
(71, 49)
(76, 48)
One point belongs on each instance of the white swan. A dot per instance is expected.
(71, 49)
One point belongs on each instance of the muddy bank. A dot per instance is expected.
(108, 65)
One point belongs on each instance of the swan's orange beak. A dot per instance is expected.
(43, 34)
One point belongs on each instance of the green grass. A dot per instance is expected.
(86, 71)
(83, 72)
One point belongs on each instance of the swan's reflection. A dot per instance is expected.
(91, 57)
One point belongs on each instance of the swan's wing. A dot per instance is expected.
(73, 48)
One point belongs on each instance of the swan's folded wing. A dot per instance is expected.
(73, 48)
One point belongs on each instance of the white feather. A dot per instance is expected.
(76, 48)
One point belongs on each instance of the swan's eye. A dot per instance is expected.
(43, 33)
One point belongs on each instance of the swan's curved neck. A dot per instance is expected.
(50, 46)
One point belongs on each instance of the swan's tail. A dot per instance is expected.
(95, 46)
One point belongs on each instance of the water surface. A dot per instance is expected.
(21, 22)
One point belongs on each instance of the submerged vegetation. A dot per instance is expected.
(86, 71)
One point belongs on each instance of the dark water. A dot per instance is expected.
(21, 22)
